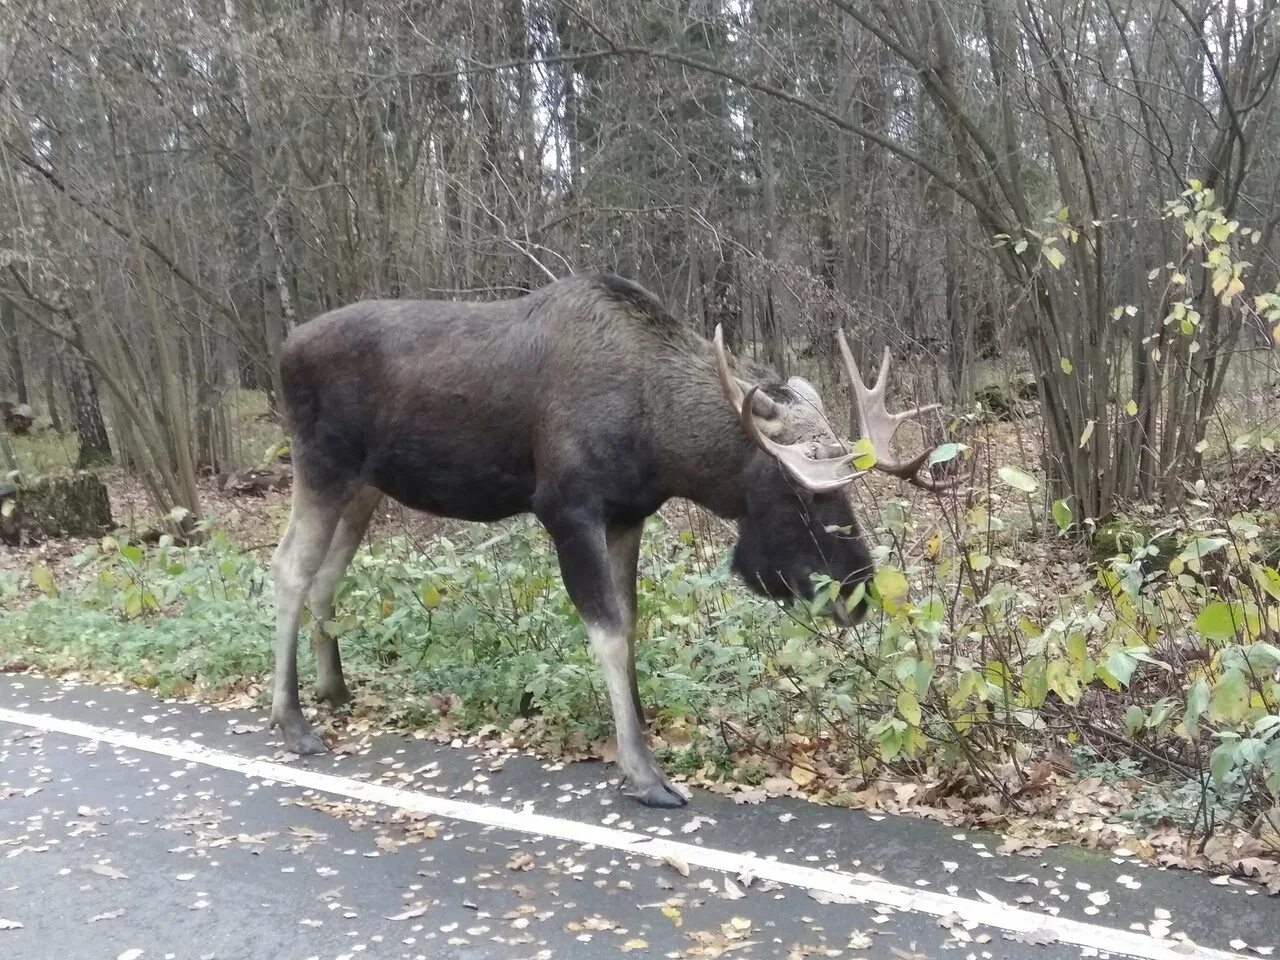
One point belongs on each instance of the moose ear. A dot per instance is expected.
(806, 391)
(764, 407)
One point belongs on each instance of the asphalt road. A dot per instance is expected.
(112, 846)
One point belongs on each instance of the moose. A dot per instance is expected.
(589, 405)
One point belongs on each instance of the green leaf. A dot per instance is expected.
(1131, 408)
(1229, 701)
(1120, 666)
(1066, 366)
(944, 453)
(1219, 621)
(1062, 515)
(1197, 704)
(1055, 256)
(1222, 231)
(1222, 760)
(430, 596)
(1134, 720)
(1019, 479)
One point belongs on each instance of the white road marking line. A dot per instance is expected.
(859, 887)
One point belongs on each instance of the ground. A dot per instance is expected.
(136, 828)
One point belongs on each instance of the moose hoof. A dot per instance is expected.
(658, 792)
(335, 696)
(305, 744)
(299, 738)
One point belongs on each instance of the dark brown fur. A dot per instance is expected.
(585, 403)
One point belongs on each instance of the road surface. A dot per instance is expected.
(138, 829)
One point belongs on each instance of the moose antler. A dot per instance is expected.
(879, 425)
(819, 475)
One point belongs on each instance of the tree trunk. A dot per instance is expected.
(9, 324)
(50, 393)
(86, 411)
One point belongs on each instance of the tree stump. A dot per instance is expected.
(75, 505)
(17, 417)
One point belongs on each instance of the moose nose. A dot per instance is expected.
(845, 617)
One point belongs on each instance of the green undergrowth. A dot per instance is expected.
(989, 658)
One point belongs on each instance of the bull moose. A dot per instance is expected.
(588, 404)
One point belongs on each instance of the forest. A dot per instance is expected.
(1060, 219)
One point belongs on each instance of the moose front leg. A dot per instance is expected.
(583, 549)
(624, 556)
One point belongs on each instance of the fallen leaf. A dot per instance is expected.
(9, 924)
(825, 897)
(108, 871)
(677, 864)
(417, 910)
(802, 776)
(112, 915)
(732, 891)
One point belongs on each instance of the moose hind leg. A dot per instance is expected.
(297, 559)
(583, 551)
(331, 686)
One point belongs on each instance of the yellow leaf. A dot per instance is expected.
(636, 944)
(1087, 433)
(1066, 366)
(1055, 256)
(933, 544)
(430, 596)
(1275, 333)
(1221, 231)
(673, 914)
(891, 584)
(863, 453)
(42, 577)
(803, 776)
(1131, 408)
(909, 707)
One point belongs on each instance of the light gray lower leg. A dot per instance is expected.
(642, 776)
(331, 686)
(299, 556)
(624, 556)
